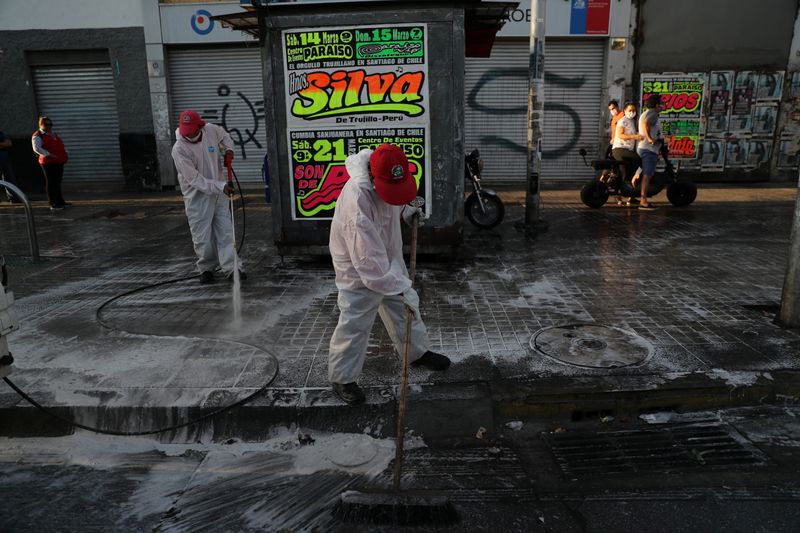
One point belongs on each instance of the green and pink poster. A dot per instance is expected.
(349, 88)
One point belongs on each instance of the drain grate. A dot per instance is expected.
(667, 449)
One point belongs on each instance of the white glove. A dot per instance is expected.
(409, 212)
(411, 299)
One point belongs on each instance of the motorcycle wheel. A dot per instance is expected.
(681, 194)
(594, 194)
(493, 210)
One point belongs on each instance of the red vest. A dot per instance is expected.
(54, 145)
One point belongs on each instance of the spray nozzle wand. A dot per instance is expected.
(229, 165)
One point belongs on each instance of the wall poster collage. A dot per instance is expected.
(727, 119)
(350, 88)
(788, 144)
(741, 119)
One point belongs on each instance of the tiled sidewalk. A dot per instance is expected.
(690, 281)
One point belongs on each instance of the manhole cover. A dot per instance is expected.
(592, 346)
(353, 451)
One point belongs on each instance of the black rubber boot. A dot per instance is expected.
(432, 361)
(349, 392)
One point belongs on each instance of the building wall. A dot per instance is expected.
(65, 15)
(750, 41)
(576, 114)
(697, 36)
(126, 54)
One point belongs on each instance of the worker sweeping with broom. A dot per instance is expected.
(367, 251)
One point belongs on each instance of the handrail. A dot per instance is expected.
(32, 240)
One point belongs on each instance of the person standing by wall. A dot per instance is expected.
(648, 147)
(6, 170)
(52, 158)
(198, 158)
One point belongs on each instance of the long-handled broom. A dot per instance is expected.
(396, 506)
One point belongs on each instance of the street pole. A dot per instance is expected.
(533, 221)
(789, 314)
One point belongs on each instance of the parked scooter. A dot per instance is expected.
(609, 181)
(483, 207)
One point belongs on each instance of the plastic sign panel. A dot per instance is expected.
(317, 162)
(681, 110)
(350, 88)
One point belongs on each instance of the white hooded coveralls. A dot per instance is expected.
(201, 177)
(367, 252)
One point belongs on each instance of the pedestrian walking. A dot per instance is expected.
(53, 156)
(198, 155)
(648, 147)
(367, 251)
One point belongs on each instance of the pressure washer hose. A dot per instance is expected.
(99, 318)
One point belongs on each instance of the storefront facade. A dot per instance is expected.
(582, 72)
(114, 79)
(88, 74)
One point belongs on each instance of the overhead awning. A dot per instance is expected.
(482, 19)
(481, 24)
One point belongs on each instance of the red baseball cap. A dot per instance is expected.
(189, 122)
(393, 182)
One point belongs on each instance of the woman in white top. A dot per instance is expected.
(625, 137)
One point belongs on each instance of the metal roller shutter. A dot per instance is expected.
(497, 106)
(81, 101)
(224, 85)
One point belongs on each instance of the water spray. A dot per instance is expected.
(237, 282)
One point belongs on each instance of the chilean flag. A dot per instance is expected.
(589, 17)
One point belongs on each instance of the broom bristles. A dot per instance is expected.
(400, 508)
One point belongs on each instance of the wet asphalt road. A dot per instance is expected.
(511, 480)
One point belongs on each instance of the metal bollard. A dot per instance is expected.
(32, 239)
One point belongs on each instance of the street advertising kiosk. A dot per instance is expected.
(344, 76)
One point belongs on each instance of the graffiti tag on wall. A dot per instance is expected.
(243, 132)
(569, 144)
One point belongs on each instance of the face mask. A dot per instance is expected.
(630, 114)
(196, 137)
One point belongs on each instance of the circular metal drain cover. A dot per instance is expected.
(592, 346)
(353, 451)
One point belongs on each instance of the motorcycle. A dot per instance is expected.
(483, 207)
(609, 181)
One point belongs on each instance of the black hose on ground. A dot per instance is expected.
(99, 318)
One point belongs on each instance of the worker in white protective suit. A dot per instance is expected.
(198, 159)
(367, 251)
